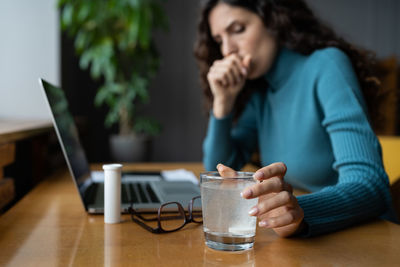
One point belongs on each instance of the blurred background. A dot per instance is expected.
(33, 45)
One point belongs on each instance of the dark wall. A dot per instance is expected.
(372, 24)
(176, 99)
(80, 90)
(175, 93)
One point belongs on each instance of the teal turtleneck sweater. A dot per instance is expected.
(313, 118)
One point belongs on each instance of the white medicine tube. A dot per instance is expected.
(112, 193)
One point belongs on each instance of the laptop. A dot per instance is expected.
(146, 191)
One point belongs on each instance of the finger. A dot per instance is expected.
(229, 69)
(282, 199)
(215, 74)
(235, 73)
(233, 59)
(225, 171)
(234, 65)
(230, 76)
(290, 217)
(272, 185)
(239, 70)
(277, 169)
(246, 61)
(219, 77)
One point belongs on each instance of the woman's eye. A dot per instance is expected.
(238, 29)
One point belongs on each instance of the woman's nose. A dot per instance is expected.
(228, 47)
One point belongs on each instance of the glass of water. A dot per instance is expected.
(227, 224)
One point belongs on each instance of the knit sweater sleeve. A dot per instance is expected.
(362, 191)
(230, 143)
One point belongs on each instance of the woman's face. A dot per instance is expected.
(240, 31)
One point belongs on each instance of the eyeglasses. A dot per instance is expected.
(171, 217)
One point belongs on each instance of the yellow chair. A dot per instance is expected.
(391, 161)
(391, 156)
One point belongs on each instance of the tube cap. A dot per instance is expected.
(112, 167)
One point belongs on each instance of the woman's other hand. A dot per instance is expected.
(277, 207)
(226, 78)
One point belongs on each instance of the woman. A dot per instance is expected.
(278, 81)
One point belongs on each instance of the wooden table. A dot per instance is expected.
(49, 227)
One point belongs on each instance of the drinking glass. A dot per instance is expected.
(226, 222)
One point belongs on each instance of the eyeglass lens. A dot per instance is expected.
(172, 217)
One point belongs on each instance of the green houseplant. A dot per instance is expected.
(113, 39)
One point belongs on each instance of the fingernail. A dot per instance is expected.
(253, 211)
(244, 71)
(219, 165)
(246, 193)
(258, 175)
(263, 224)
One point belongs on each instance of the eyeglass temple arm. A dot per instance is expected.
(154, 231)
(145, 226)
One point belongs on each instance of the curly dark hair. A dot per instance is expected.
(294, 26)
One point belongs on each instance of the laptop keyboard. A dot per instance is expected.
(135, 193)
(152, 195)
(90, 193)
(142, 193)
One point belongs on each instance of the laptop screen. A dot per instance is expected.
(67, 134)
